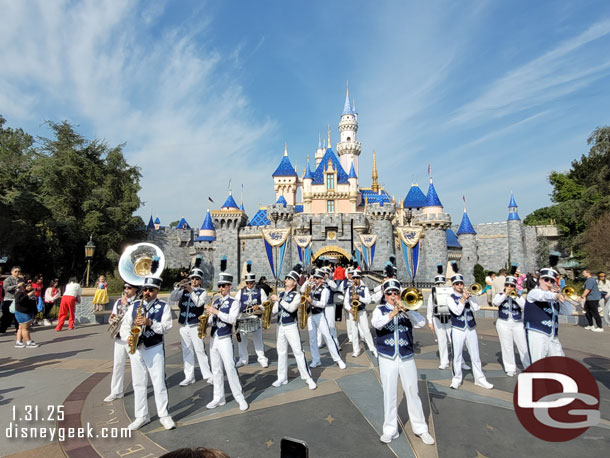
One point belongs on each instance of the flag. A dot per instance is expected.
(429, 169)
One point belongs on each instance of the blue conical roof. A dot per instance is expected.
(452, 240)
(347, 107)
(352, 172)
(513, 216)
(285, 169)
(465, 225)
(150, 225)
(432, 199)
(281, 201)
(230, 203)
(415, 198)
(207, 233)
(183, 224)
(308, 175)
(157, 220)
(512, 202)
(318, 174)
(241, 207)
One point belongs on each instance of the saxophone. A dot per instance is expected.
(267, 309)
(202, 328)
(355, 304)
(136, 331)
(302, 313)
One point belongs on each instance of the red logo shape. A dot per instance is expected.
(556, 399)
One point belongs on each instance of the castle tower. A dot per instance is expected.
(514, 227)
(307, 193)
(467, 238)
(228, 221)
(380, 216)
(157, 223)
(352, 178)
(285, 180)
(348, 149)
(434, 241)
(414, 201)
(207, 232)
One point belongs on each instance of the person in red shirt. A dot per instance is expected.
(339, 273)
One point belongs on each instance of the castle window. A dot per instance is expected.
(349, 139)
(330, 181)
(330, 206)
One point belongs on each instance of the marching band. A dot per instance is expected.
(138, 326)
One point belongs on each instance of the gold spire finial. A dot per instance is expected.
(375, 175)
(328, 136)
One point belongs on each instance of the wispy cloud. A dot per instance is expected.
(185, 118)
(556, 73)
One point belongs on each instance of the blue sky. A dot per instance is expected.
(493, 94)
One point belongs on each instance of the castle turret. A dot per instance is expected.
(157, 223)
(307, 193)
(467, 239)
(516, 251)
(228, 221)
(151, 224)
(348, 149)
(434, 242)
(207, 232)
(352, 179)
(320, 151)
(285, 180)
(380, 215)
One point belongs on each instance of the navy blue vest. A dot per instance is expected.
(153, 311)
(316, 296)
(249, 298)
(220, 328)
(396, 337)
(360, 291)
(542, 317)
(465, 319)
(189, 312)
(284, 316)
(509, 308)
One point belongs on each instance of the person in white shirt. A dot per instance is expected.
(68, 304)
(360, 326)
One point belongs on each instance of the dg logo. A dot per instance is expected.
(557, 399)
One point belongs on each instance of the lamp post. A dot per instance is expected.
(89, 250)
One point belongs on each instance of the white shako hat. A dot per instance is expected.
(356, 274)
(224, 278)
(151, 281)
(196, 273)
(319, 273)
(391, 284)
(249, 275)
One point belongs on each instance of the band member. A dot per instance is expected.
(543, 306)
(121, 350)
(223, 315)
(286, 307)
(360, 327)
(439, 319)
(390, 272)
(155, 318)
(348, 316)
(510, 326)
(250, 299)
(191, 304)
(462, 307)
(329, 310)
(394, 342)
(318, 300)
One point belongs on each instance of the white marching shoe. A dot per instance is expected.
(426, 438)
(187, 382)
(215, 403)
(455, 384)
(243, 405)
(483, 383)
(311, 384)
(279, 383)
(312, 364)
(375, 354)
(239, 364)
(139, 422)
(111, 397)
(386, 438)
(465, 366)
(167, 422)
(341, 364)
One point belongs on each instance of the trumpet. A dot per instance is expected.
(475, 289)
(182, 284)
(411, 299)
(513, 294)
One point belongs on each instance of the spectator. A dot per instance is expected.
(562, 281)
(10, 288)
(488, 282)
(520, 281)
(531, 282)
(262, 283)
(604, 288)
(37, 287)
(339, 273)
(101, 295)
(68, 304)
(497, 285)
(51, 298)
(25, 310)
(591, 296)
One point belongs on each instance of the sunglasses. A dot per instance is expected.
(459, 283)
(549, 280)
(148, 289)
(393, 293)
(508, 285)
(128, 287)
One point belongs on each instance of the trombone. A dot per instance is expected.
(411, 299)
(475, 289)
(571, 296)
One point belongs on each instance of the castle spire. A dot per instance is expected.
(285, 149)
(375, 175)
(347, 108)
(328, 143)
(319, 140)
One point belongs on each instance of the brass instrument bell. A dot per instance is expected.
(411, 298)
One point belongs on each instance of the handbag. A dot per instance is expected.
(11, 308)
(40, 305)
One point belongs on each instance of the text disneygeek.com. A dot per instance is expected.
(15, 431)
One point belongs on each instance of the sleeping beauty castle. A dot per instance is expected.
(326, 214)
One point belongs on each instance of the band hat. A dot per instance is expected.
(250, 277)
(356, 274)
(196, 273)
(154, 282)
(440, 279)
(510, 280)
(549, 272)
(294, 275)
(457, 278)
(225, 279)
(391, 284)
(319, 273)
(349, 271)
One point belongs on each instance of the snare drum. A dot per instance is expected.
(248, 323)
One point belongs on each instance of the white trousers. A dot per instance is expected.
(147, 361)
(329, 311)
(458, 338)
(443, 336)
(319, 322)
(259, 347)
(289, 335)
(350, 322)
(192, 345)
(121, 353)
(221, 355)
(361, 329)
(512, 332)
(540, 346)
(389, 370)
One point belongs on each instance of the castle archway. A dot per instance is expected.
(332, 252)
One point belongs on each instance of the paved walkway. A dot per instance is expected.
(342, 418)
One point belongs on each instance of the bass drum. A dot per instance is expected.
(338, 299)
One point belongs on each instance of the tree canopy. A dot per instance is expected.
(581, 195)
(56, 192)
